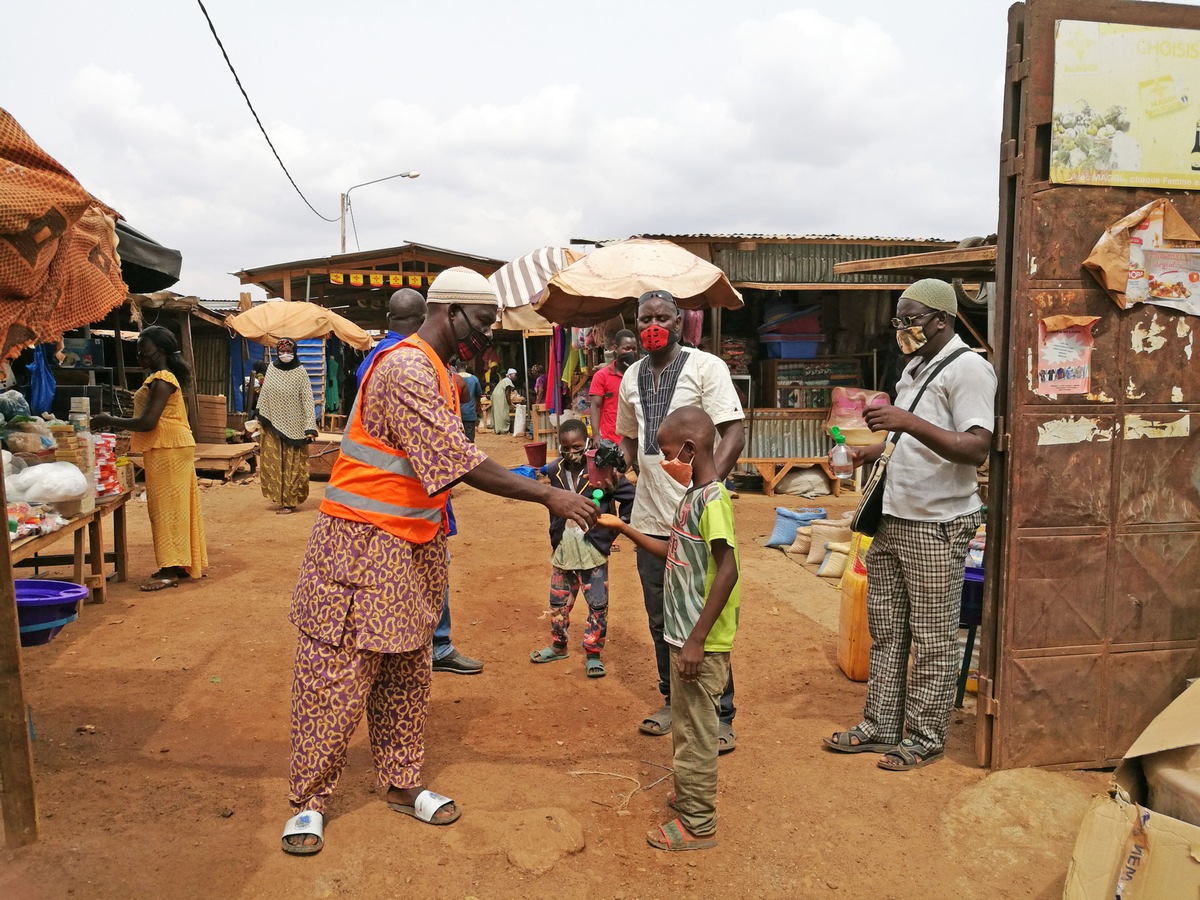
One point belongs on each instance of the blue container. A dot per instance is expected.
(972, 598)
(783, 346)
(44, 607)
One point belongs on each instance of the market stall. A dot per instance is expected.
(309, 325)
(59, 270)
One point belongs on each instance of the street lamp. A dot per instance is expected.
(413, 174)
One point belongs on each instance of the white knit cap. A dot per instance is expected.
(459, 284)
(511, 372)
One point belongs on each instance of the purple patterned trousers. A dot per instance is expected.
(332, 688)
(565, 585)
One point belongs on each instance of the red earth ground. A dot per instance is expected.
(178, 788)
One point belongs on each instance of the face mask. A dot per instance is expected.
(474, 343)
(656, 337)
(678, 470)
(286, 358)
(625, 360)
(910, 340)
(574, 457)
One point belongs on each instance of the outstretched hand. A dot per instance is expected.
(569, 505)
(608, 520)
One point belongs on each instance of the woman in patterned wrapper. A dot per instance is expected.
(287, 412)
(162, 435)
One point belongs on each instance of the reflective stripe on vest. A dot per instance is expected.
(374, 483)
(397, 465)
(355, 501)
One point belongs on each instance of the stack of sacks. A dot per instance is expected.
(107, 480)
(825, 543)
(788, 522)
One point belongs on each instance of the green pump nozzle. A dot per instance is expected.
(597, 496)
(838, 437)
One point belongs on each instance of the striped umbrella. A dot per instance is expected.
(522, 281)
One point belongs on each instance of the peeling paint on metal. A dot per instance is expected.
(1148, 339)
(1182, 329)
(1100, 397)
(1131, 391)
(1033, 265)
(1136, 427)
(1187, 348)
(1176, 395)
(1029, 368)
(1072, 431)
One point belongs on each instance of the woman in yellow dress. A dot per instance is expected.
(161, 434)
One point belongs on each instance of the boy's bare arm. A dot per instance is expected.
(691, 656)
(653, 545)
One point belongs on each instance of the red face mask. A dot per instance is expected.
(655, 337)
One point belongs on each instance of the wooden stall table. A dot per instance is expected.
(23, 551)
(223, 458)
(773, 470)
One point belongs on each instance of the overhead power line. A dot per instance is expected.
(229, 63)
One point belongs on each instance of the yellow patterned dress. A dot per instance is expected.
(172, 495)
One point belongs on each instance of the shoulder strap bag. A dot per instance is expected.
(869, 514)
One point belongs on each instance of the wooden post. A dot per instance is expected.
(119, 362)
(19, 797)
(193, 405)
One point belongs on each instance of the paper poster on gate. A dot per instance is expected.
(1065, 355)
(1126, 106)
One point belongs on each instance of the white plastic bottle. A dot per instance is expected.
(840, 460)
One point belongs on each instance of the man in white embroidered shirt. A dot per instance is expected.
(669, 377)
(931, 510)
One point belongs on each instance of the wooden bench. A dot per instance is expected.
(223, 458)
(773, 470)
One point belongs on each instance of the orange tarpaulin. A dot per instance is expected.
(58, 260)
(297, 320)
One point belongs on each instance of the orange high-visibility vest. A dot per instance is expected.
(375, 483)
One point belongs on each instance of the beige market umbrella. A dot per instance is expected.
(269, 322)
(596, 287)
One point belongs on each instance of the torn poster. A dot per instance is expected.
(1149, 257)
(1065, 354)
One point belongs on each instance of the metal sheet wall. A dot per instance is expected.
(807, 263)
(212, 364)
(786, 434)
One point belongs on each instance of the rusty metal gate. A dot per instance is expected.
(1094, 594)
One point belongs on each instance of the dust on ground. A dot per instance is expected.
(182, 786)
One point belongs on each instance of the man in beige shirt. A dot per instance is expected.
(669, 377)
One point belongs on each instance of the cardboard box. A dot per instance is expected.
(1126, 850)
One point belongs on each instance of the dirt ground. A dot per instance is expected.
(180, 785)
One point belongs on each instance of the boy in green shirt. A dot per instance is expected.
(701, 601)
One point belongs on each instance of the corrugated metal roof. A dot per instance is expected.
(364, 256)
(229, 306)
(784, 238)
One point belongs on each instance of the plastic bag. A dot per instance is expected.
(41, 382)
(13, 404)
(846, 413)
(54, 482)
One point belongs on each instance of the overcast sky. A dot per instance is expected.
(530, 122)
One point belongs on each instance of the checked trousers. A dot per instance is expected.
(914, 595)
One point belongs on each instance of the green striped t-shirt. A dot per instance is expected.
(704, 515)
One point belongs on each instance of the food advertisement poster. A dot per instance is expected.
(1065, 355)
(1126, 106)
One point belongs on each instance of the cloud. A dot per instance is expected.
(802, 122)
